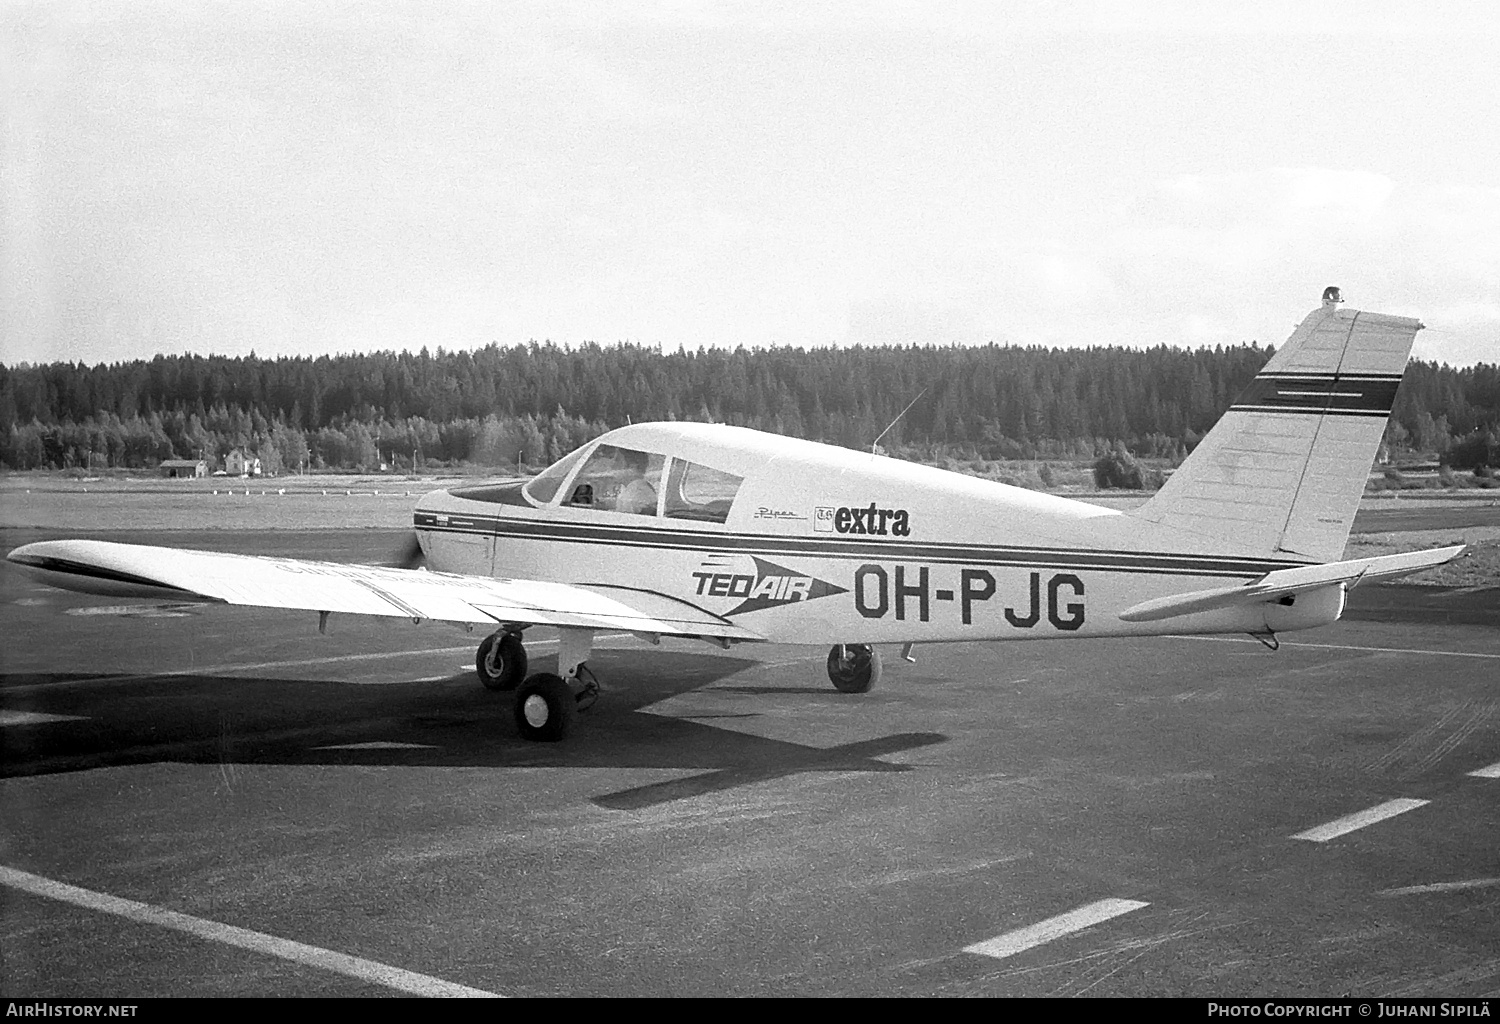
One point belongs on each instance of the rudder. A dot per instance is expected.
(1282, 472)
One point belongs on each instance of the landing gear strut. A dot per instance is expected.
(546, 703)
(853, 668)
(501, 661)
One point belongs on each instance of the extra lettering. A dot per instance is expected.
(870, 520)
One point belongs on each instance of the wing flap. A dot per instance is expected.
(1278, 584)
(138, 570)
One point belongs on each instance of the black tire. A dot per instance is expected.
(857, 672)
(501, 661)
(545, 707)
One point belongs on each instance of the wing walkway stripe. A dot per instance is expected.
(258, 942)
(1022, 939)
(1359, 819)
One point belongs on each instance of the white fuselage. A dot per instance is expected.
(826, 545)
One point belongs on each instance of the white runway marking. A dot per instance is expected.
(255, 666)
(1416, 890)
(468, 648)
(244, 667)
(379, 745)
(1491, 772)
(1350, 822)
(1343, 647)
(36, 718)
(1022, 939)
(134, 611)
(258, 942)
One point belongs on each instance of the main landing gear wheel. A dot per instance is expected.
(545, 706)
(854, 668)
(501, 661)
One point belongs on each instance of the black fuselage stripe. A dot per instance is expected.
(1149, 563)
(833, 546)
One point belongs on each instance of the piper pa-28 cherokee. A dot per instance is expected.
(734, 536)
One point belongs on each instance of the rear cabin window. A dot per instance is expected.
(700, 493)
(543, 487)
(619, 479)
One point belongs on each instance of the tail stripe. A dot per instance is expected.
(1321, 393)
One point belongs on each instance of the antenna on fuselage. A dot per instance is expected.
(875, 444)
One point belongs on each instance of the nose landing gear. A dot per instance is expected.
(545, 707)
(853, 668)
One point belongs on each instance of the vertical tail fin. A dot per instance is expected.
(1282, 472)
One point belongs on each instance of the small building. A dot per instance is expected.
(184, 467)
(237, 463)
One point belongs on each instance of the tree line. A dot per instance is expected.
(529, 404)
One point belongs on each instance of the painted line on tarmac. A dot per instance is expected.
(1342, 647)
(303, 662)
(258, 942)
(197, 670)
(379, 745)
(36, 718)
(258, 665)
(1359, 819)
(1417, 890)
(1022, 939)
(1490, 772)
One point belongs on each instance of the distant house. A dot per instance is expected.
(237, 463)
(184, 467)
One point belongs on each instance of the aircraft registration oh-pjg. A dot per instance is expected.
(735, 536)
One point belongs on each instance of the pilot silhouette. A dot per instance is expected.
(637, 496)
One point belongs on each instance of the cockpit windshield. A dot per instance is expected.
(616, 479)
(543, 487)
(619, 480)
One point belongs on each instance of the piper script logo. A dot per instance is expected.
(871, 519)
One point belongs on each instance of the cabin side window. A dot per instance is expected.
(543, 487)
(619, 479)
(699, 492)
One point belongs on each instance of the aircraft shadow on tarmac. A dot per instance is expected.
(206, 719)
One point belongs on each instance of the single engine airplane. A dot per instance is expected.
(736, 536)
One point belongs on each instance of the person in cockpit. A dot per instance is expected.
(637, 496)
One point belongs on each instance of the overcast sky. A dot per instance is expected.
(308, 178)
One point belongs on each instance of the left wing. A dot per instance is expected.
(1277, 584)
(138, 570)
